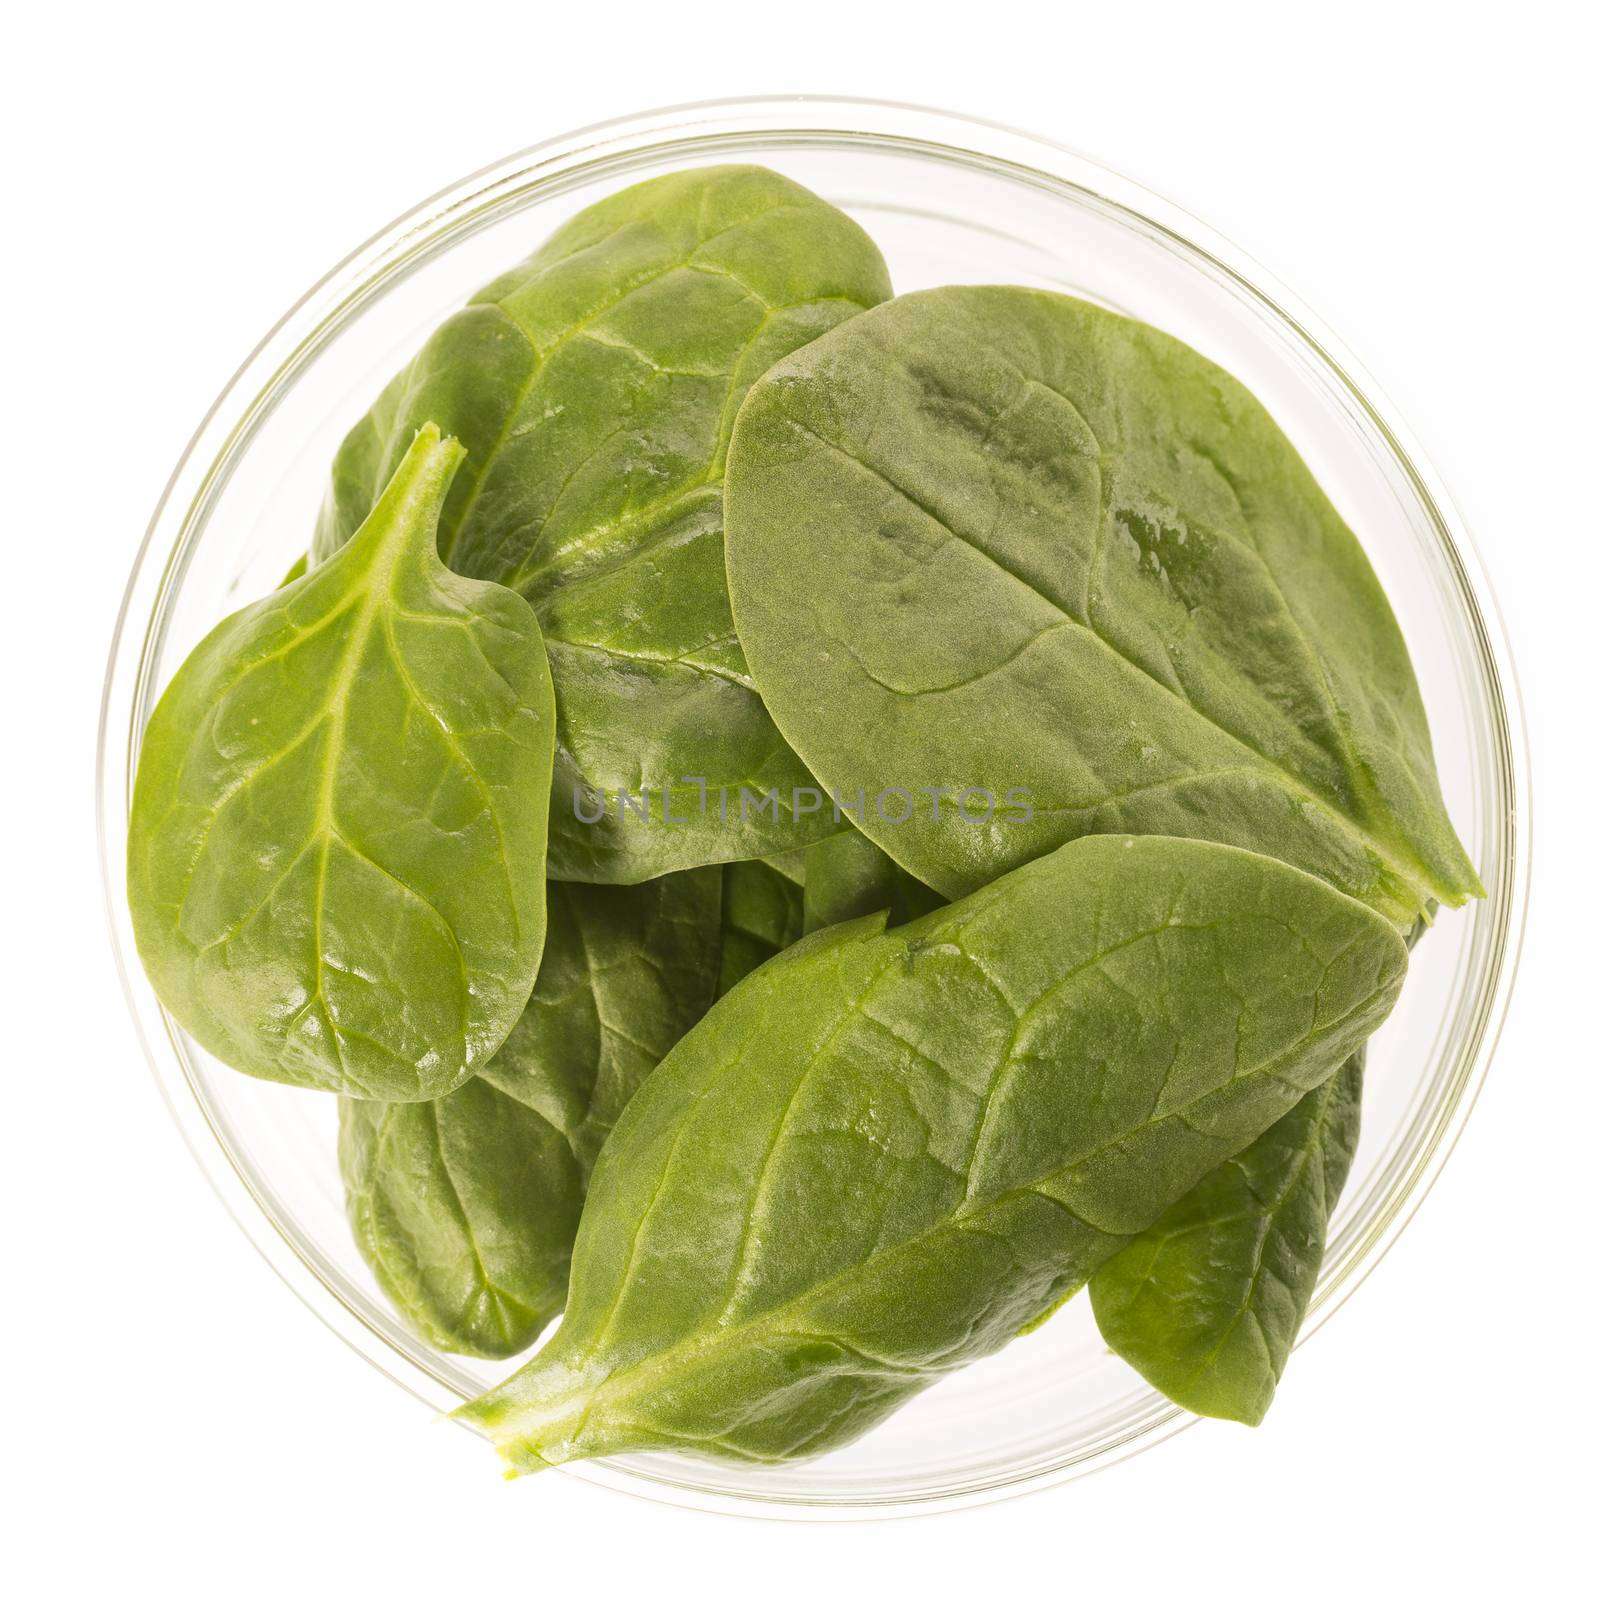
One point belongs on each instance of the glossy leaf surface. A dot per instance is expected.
(336, 855)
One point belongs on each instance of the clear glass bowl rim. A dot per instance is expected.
(618, 145)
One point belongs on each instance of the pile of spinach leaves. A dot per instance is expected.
(1093, 804)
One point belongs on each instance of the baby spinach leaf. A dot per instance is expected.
(465, 1207)
(595, 387)
(1206, 1303)
(885, 1153)
(762, 912)
(1211, 1221)
(848, 876)
(996, 538)
(337, 843)
(767, 905)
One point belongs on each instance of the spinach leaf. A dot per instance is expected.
(885, 1153)
(848, 876)
(1206, 1303)
(595, 387)
(465, 1207)
(762, 912)
(767, 905)
(337, 844)
(998, 538)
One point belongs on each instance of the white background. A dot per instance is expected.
(1422, 177)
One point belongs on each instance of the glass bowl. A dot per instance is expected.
(949, 200)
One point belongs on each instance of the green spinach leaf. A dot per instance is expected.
(767, 905)
(337, 845)
(465, 1207)
(1206, 1303)
(762, 912)
(996, 538)
(848, 876)
(885, 1153)
(595, 387)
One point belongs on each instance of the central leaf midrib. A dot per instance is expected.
(324, 822)
(377, 587)
(490, 1288)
